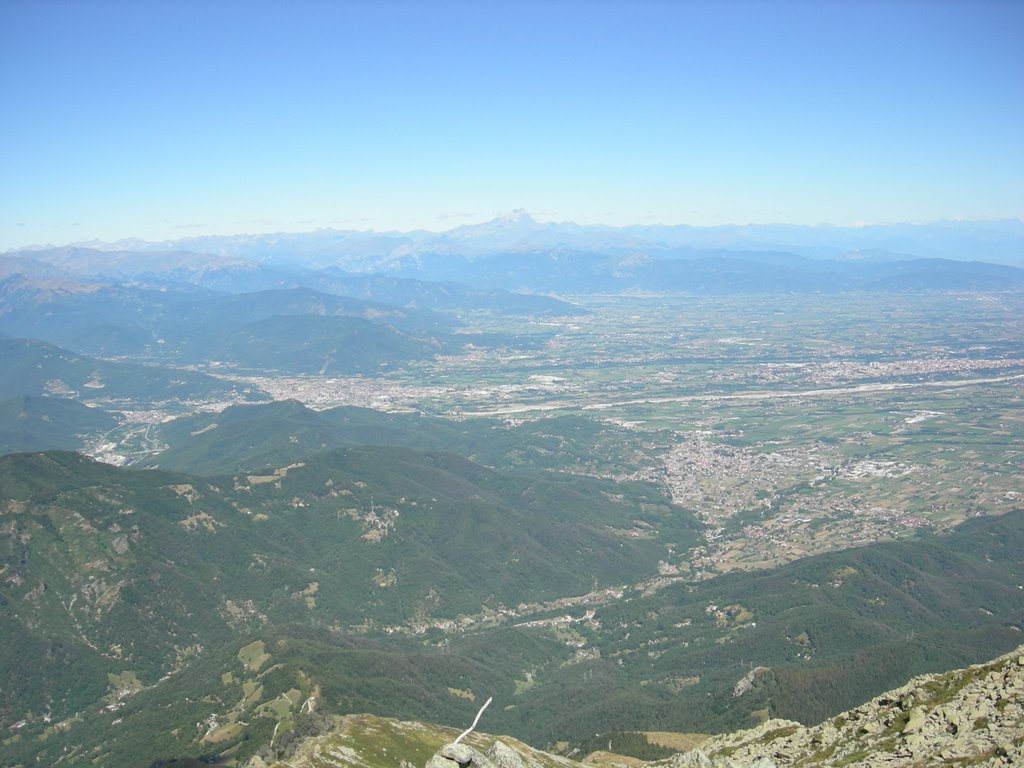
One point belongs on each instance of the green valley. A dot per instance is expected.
(245, 602)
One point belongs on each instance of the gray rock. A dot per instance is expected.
(695, 758)
(459, 756)
(916, 720)
(460, 753)
(503, 756)
(916, 743)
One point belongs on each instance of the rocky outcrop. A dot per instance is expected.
(463, 756)
(973, 716)
(698, 759)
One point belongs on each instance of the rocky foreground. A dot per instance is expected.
(967, 717)
(973, 716)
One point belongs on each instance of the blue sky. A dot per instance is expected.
(166, 119)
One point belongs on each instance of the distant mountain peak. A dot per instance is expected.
(496, 234)
(518, 216)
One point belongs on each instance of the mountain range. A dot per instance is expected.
(997, 241)
(515, 252)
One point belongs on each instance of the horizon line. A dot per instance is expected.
(519, 214)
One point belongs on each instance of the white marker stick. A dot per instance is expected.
(475, 721)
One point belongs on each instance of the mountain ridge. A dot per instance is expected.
(518, 255)
(997, 240)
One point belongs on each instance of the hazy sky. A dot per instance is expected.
(163, 119)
